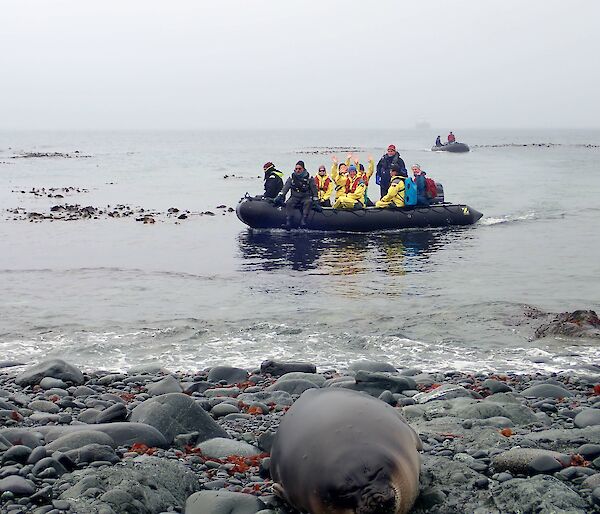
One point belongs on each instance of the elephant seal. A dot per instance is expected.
(339, 451)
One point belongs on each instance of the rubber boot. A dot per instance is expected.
(288, 223)
(303, 222)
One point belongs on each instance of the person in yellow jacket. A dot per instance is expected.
(395, 194)
(339, 175)
(354, 196)
(325, 186)
(366, 175)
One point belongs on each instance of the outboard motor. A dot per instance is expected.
(440, 194)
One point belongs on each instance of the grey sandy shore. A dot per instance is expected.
(153, 440)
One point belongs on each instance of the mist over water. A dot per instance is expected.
(111, 293)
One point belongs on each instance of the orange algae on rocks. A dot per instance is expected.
(142, 449)
(506, 432)
(579, 460)
(597, 389)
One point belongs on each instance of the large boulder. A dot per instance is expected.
(56, 368)
(146, 485)
(177, 413)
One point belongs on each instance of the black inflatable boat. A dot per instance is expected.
(257, 212)
(451, 147)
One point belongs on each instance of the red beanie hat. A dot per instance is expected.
(392, 147)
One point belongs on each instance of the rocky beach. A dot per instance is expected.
(152, 440)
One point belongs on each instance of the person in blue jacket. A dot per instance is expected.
(419, 179)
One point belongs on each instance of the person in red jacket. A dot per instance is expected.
(451, 138)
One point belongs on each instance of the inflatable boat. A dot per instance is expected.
(258, 212)
(451, 147)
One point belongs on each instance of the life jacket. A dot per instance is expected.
(351, 185)
(275, 172)
(430, 188)
(322, 185)
(301, 182)
(402, 191)
(451, 138)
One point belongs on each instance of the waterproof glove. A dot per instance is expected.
(278, 200)
(317, 206)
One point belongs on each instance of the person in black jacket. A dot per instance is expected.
(273, 180)
(304, 195)
(383, 177)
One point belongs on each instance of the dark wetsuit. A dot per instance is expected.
(273, 183)
(304, 192)
(383, 170)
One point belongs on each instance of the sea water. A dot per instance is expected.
(110, 293)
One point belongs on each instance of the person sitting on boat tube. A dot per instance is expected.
(395, 194)
(366, 175)
(438, 141)
(339, 175)
(324, 186)
(273, 180)
(419, 180)
(354, 196)
(304, 195)
(382, 177)
(451, 138)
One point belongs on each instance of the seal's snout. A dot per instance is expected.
(378, 500)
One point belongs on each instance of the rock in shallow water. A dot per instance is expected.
(56, 368)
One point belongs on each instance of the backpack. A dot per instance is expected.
(430, 188)
(410, 192)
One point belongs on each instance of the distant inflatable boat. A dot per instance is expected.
(451, 147)
(257, 212)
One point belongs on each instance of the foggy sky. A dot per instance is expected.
(245, 64)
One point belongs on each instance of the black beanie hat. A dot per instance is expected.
(301, 163)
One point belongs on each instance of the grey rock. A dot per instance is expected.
(169, 384)
(522, 460)
(277, 368)
(542, 493)
(56, 368)
(89, 415)
(315, 378)
(587, 418)
(26, 436)
(46, 463)
(496, 386)
(223, 409)
(44, 406)
(83, 391)
(280, 398)
(18, 453)
(17, 485)
(122, 433)
(50, 383)
(592, 482)
(372, 366)
(547, 391)
(292, 386)
(589, 451)
(229, 374)
(444, 392)
(222, 502)
(94, 453)
(220, 448)
(116, 412)
(222, 391)
(80, 439)
(176, 413)
(144, 485)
